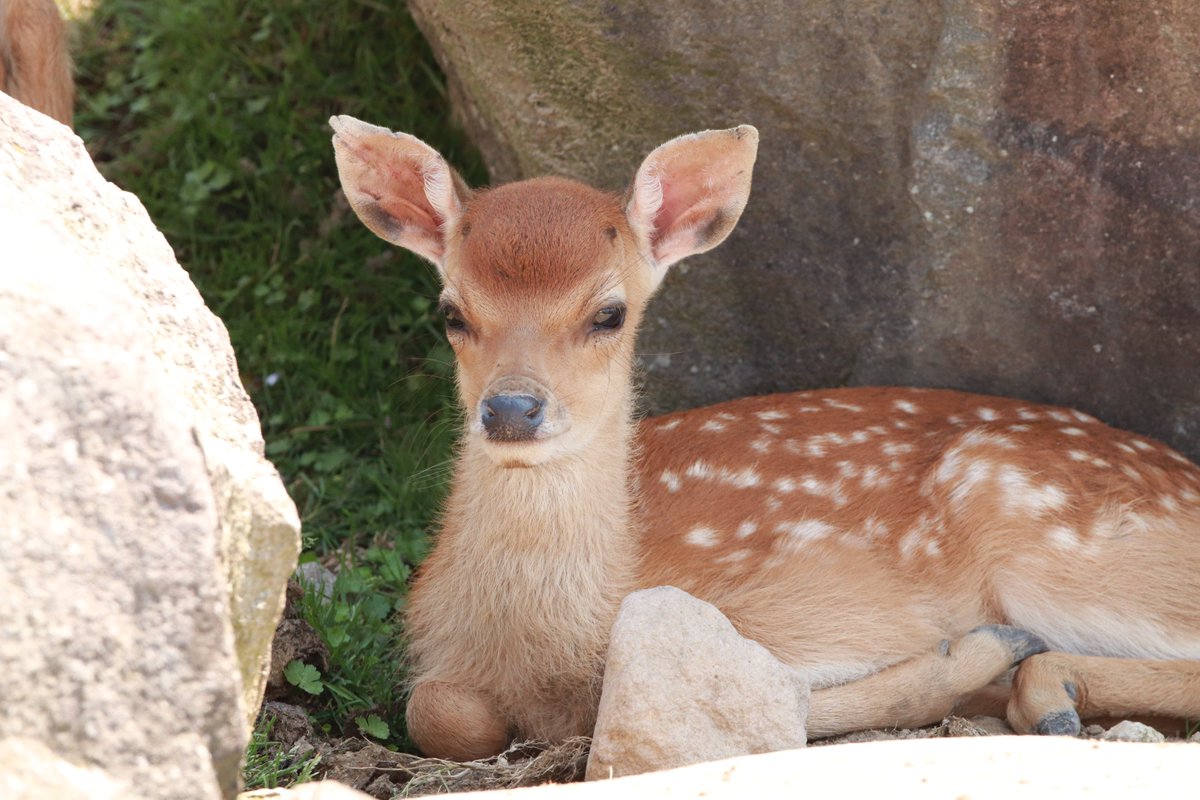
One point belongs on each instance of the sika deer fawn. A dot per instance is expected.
(904, 548)
(34, 65)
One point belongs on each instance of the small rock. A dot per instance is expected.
(313, 574)
(1195, 737)
(292, 726)
(1132, 732)
(681, 686)
(992, 726)
(1094, 731)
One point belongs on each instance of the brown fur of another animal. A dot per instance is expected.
(35, 65)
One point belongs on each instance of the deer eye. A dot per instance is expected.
(452, 318)
(608, 318)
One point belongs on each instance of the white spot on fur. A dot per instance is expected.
(747, 528)
(874, 478)
(1170, 504)
(761, 445)
(1027, 415)
(808, 409)
(905, 406)
(767, 416)
(975, 473)
(897, 448)
(1082, 417)
(1062, 537)
(1144, 446)
(1059, 416)
(987, 414)
(1131, 473)
(742, 479)
(878, 430)
(1178, 457)
(771, 428)
(858, 437)
(727, 417)
(700, 469)
(701, 536)
(1020, 491)
(954, 419)
(1073, 431)
(734, 557)
(669, 426)
(848, 469)
(785, 485)
(829, 401)
(805, 530)
(901, 424)
(1019, 428)
(910, 541)
(713, 426)
(671, 480)
(1126, 448)
(774, 503)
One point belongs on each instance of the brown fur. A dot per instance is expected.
(861, 535)
(35, 66)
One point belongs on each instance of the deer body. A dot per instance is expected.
(904, 548)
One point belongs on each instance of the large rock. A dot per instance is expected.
(681, 686)
(976, 194)
(147, 541)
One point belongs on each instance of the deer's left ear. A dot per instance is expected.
(689, 194)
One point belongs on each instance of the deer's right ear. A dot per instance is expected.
(400, 187)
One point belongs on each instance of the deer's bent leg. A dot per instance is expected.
(1053, 691)
(453, 721)
(922, 690)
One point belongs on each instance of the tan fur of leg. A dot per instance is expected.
(920, 691)
(451, 721)
(1050, 688)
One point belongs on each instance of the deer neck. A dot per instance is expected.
(566, 523)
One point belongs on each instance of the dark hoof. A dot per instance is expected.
(1059, 723)
(1021, 642)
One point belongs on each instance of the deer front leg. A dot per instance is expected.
(456, 722)
(924, 689)
(1052, 692)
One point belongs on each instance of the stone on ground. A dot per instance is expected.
(681, 686)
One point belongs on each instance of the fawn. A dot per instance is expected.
(904, 548)
(35, 67)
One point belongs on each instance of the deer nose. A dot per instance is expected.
(512, 417)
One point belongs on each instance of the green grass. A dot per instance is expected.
(214, 113)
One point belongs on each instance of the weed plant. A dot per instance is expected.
(214, 113)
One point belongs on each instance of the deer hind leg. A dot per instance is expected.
(452, 721)
(924, 689)
(1052, 692)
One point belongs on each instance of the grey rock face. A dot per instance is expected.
(977, 194)
(681, 686)
(147, 541)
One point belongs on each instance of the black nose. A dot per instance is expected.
(512, 417)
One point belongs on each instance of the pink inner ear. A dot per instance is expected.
(689, 204)
(401, 193)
